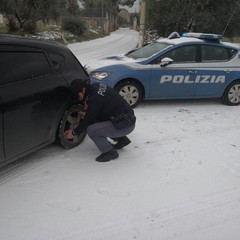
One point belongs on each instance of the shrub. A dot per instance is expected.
(73, 25)
(29, 26)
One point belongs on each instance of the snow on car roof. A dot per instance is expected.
(233, 45)
(179, 40)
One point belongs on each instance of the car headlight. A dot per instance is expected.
(100, 75)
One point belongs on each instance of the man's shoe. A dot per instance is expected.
(122, 142)
(107, 156)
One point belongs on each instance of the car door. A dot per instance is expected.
(214, 70)
(175, 80)
(31, 98)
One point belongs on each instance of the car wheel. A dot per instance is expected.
(70, 120)
(231, 95)
(131, 92)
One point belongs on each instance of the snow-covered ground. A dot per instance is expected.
(118, 42)
(179, 179)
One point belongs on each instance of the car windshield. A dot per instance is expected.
(148, 50)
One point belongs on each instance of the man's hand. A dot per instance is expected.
(69, 134)
(82, 114)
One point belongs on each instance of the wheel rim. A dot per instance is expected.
(72, 122)
(130, 94)
(234, 94)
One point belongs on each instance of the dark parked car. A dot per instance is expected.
(37, 105)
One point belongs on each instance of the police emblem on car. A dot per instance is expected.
(194, 65)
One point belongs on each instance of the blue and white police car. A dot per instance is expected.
(194, 65)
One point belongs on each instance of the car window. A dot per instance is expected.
(148, 50)
(214, 53)
(231, 53)
(19, 66)
(57, 60)
(180, 55)
(183, 54)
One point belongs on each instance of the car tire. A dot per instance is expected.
(131, 92)
(70, 120)
(231, 95)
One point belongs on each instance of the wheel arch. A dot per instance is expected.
(231, 83)
(224, 94)
(132, 80)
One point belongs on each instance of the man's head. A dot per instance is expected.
(79, 88)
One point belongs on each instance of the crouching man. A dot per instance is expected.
(108, 115)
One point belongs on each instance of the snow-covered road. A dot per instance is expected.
(118, 42)
(179, 179)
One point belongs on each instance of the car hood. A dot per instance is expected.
(107, 61)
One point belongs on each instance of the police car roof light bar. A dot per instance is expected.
(206, 36)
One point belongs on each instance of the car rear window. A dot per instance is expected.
(57, 60)
(20, 66)
(215, 53)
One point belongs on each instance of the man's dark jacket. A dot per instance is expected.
(103, 102)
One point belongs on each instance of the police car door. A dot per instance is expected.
(214, 70)
(175, 80)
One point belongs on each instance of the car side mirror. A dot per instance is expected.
(166, 61)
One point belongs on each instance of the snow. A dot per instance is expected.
(177, 180)
(119, 42)
(134, 9)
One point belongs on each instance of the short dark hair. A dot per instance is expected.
(77, 86)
